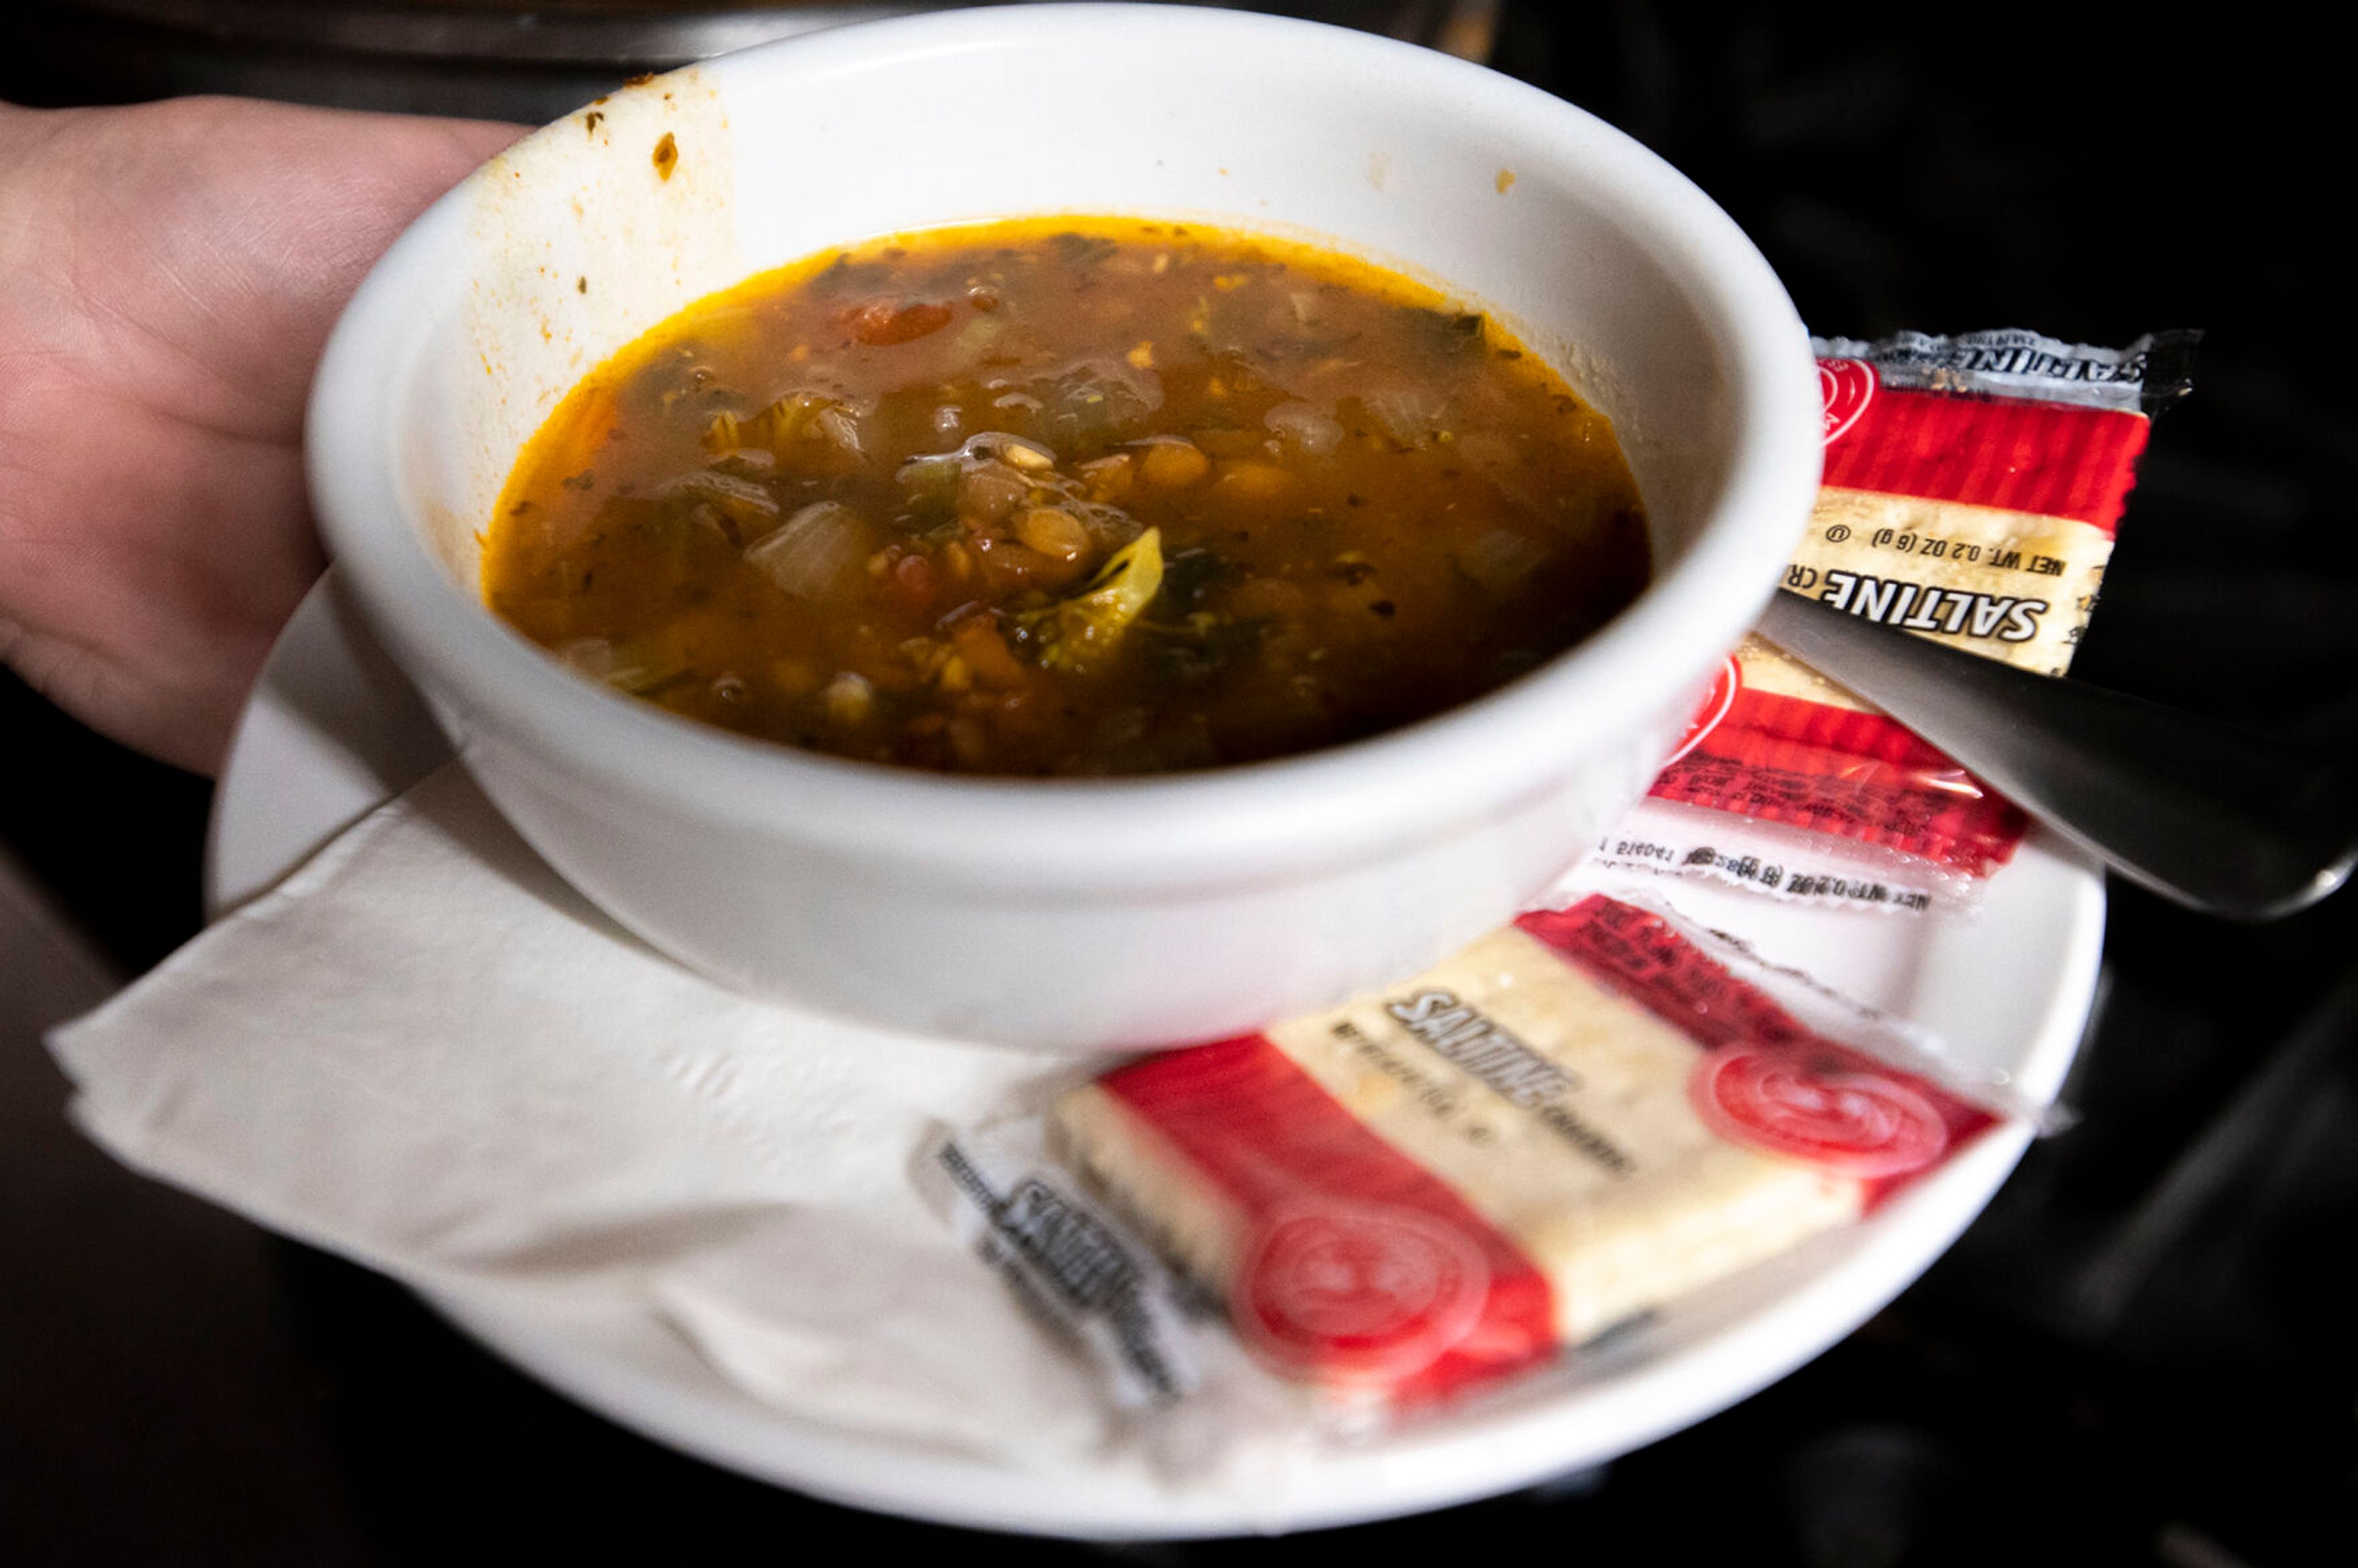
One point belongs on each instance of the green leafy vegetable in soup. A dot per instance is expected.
(1084, 632)
(1067, 497)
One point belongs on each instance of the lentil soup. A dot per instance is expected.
(1067, 497)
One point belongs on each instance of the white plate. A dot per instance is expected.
(332, 730)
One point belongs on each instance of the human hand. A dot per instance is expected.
(169, 273)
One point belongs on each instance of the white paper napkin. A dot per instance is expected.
(426, 1052)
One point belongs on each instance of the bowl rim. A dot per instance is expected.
(1430, 780)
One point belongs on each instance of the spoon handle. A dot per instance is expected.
(2212, 816)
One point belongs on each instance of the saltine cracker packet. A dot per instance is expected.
(1398, 1202)
(1973, 488)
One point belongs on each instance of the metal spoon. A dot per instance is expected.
(2212, 816)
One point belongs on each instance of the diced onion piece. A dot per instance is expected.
(815, 551)
(591, 656)
(1500, 559)
(621, 668)
(840, 427)
(1408, 412)
(976, 336)
(797, 416)
(1496, 459)
(1097, 399)
(1306, 426)
(745, 503)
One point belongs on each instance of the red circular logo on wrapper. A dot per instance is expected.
(1364, 1294)
(1854, 1124)
(1848, 386)
(1716, 704)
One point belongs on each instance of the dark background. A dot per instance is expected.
(2142, 1353)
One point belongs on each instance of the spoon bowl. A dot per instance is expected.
(2206, 815)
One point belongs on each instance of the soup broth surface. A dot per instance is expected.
(1061, 497)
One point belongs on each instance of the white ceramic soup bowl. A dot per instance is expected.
(1109, 915)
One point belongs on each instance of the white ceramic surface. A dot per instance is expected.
(331, 732)
(1049, 913)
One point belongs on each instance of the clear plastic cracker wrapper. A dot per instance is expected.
(1971, 491)
(1562, 1128)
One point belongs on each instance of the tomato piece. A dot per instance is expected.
(882, 323)
(913, 581)
(977, 640)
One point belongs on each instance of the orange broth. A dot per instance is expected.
(1067, 497)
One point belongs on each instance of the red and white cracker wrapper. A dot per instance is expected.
(1572, 1122)
(1972, 487)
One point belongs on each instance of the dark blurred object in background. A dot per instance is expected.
(2143, 1351)
(496, 59)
